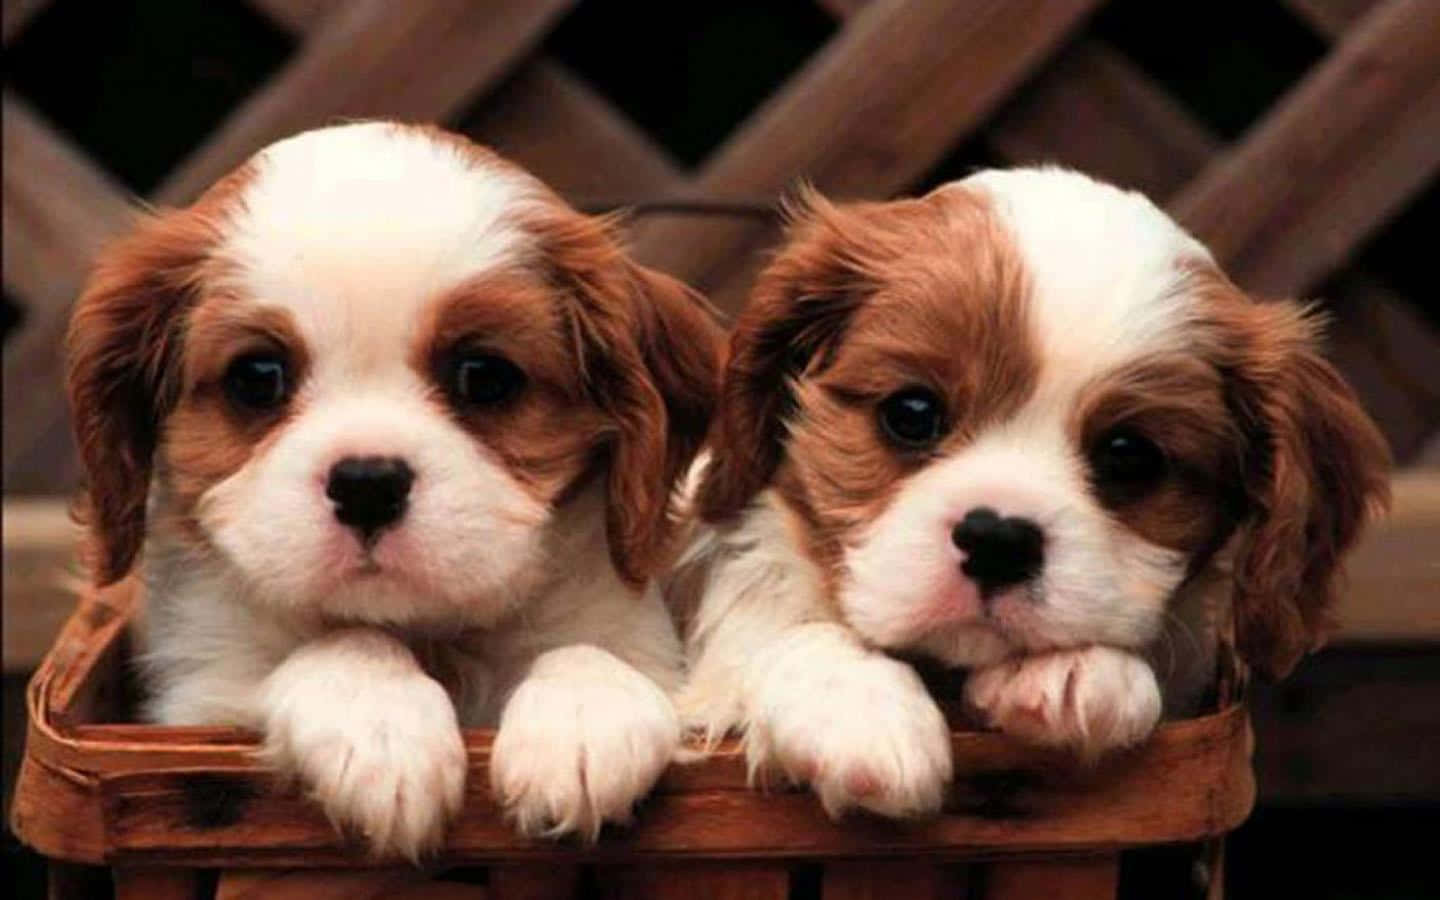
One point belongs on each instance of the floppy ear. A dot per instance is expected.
(648, 348)
(1317, 469)
(123, 350)
(800, 305)
(679, 344)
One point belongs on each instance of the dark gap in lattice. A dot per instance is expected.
(1366, 851)
(1399, 253)
(12, 316)
(1228, 61)
(1388, 351)
(968, 157)
(689, 73)
(138, 85)
(1167, 870)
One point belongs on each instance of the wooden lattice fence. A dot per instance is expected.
(900, 84)
(1288, 204)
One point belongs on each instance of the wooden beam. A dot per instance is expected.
(869, 113)
(1292, 199)
(556, 126)
(298, 16)
(544, 118)
(1330, 18)
(374, 58)
(16, 14)
(1387, 351)
(40, 581)
(1394, 575)
(1089, 878)
(58, 209)
(1094, 110)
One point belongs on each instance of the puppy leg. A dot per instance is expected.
(1090, 700)
(373, 738)
(856, 725)
(582, 738)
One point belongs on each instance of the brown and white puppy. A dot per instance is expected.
(1018, 425)
(393, 432)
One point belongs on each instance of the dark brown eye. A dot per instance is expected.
(1126, 462)
(912, 418)
(484, 379)
(258, 381)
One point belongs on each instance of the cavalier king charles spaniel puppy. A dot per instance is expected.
(393, 433)
(1018, 425)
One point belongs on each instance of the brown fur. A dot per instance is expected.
(1315, 470)
(621, 362)
(124, 347)
(205, 438)
(547, 435)
(865, 300)
(1178, 401)
(647, 348)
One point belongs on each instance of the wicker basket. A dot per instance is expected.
(166, 808)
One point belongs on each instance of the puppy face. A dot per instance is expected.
(367, 371)
(1020, 412)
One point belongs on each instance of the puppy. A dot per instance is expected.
(396, 430)
(1018, 425)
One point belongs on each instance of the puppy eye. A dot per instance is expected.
(257, 381)
(484, 379)
(913, 417)
(1125, 458)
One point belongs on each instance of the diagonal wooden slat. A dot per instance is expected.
(1096, 111)
(58, 210)
(874, 108)
(1333, 160)
(375, 58)
(552, 123)
(1330, 18)
(299, 16)
(1153, 144)
(545, 119)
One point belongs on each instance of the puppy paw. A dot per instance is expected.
(860, 729)
(581, 740)
(377, 746)
(1090, 701)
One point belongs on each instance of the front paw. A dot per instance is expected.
(1090, 701)
(384, 758)
(582, 739)
(862, 732)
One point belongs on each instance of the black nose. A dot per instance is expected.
(998, 552)
(369, 491)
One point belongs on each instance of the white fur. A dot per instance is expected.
(768, 659)
(1090, 700)
(581, 738)
(355, 231)
(374, 739)
(1106, 288)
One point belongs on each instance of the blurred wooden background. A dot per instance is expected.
(1299, 138)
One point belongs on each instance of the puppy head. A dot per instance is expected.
(1018, 413)
(367, 372)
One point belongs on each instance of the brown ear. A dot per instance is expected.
(679, 342)
(123, 351)
(801, 303)
(1317, 469)
(649, 350)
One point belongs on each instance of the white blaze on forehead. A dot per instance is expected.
(1101, 264)
(354, 228)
